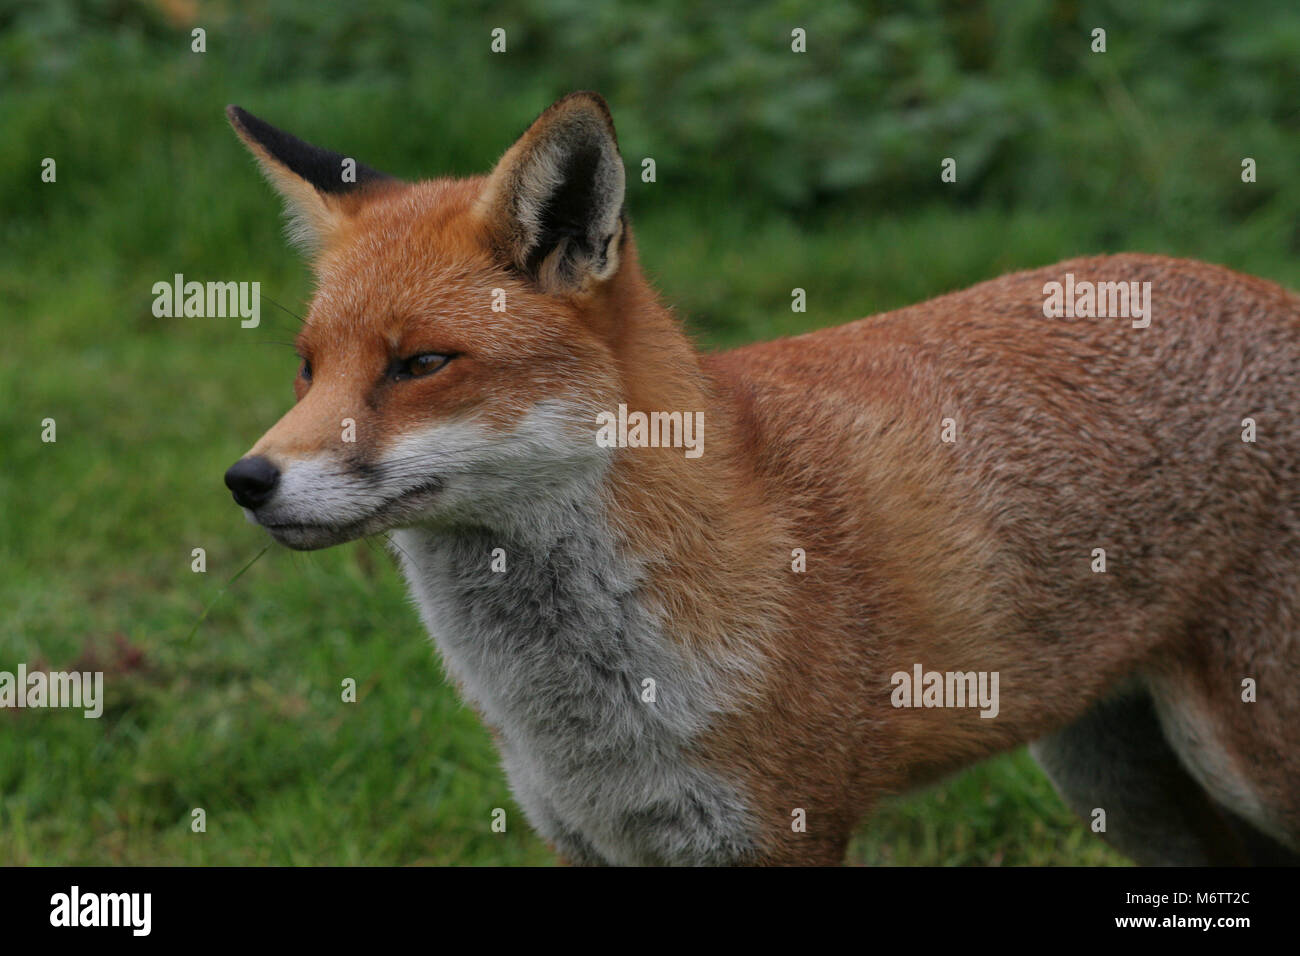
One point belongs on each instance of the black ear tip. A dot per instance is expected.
(321, 168)
(588, 102)
(590, 97)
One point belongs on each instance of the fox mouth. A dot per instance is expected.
(390, 513)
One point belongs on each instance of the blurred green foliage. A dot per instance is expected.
(1012, 90)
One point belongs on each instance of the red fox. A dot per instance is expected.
(716, 606)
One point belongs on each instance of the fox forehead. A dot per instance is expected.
(413, 268)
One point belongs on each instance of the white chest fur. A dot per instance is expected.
(555, 650)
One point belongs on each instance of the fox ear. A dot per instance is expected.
(554, 203)
(320, 187)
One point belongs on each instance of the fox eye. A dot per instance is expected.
(426, 363)
(305, 371)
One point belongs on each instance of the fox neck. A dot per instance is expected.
(569, 649)
(711, 541)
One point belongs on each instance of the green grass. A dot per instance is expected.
(231, 701)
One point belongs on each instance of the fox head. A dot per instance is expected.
(461, 338)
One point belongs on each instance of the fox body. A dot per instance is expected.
(707, 659)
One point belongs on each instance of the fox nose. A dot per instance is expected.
(252, 480)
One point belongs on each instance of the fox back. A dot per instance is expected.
(712, 606)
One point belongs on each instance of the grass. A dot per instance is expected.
(228, 699)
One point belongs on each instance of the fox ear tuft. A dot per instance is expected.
(554, 203)
(320, 187)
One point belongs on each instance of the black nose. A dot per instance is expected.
(252, 480)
